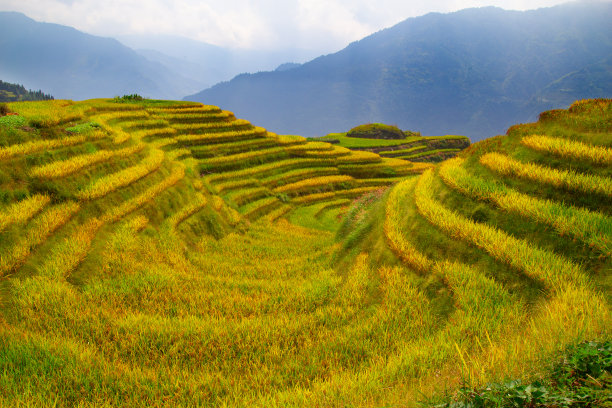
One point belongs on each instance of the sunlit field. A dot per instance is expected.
(160, 253)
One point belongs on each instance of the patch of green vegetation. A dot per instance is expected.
(128, 98)
(13, 121)
(84, 127)
(580, 377)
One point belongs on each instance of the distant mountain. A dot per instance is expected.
(15, 92)
(74, 65)
(287, 66)
(473, 72)
(209, 63)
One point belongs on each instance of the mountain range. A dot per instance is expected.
(473, 72)
(71, 64)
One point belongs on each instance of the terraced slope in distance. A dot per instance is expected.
(412, 147)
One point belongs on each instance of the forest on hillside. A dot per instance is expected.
(15, 93)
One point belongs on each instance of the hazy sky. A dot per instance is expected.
(322, 25)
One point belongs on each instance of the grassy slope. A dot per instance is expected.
(162, 293)
(120, 280)
(532, 243)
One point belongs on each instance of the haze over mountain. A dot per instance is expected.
(473, 72)
(73, 65)
(207, 63)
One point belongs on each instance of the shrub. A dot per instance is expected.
(376, 131)
(128, 98)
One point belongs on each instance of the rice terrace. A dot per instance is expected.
(168, 254)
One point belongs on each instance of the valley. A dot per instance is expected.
(168, 253)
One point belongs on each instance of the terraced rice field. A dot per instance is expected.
(162, 253)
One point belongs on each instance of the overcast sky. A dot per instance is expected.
(321, 25)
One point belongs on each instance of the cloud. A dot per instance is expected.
(324, 25)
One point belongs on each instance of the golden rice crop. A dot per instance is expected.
(186, 110)
(155, 133)
(266, 168)
(178, 172)
(278, 213)
(196, 205)
(553, 269)
(569, 149)
(70, 253)
(592, 227)
(298, 174)
(104, 185)
(213, 127)
(40, 145)
(228, 213)
(144, 124)
(237, 158)
(38, 230)
(395, 238)
(221, 136)
(310, 146)
(235, 184)
(255, 208)
(48, 113)
(325, 153)
(21, 211)
(288, 140)
(559, 178)
(353, 192)
(380, 182)
(176, 153)
(191, 120)
(313, 182)
(159, 143)
(63, 168)
(326, 206)
(399, 152)
(98, 105)
(121, 136)
(244, 196)
(356, 156)
(233, 147)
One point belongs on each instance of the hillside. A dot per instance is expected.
(14, 93)
(408, 145)
(160, 253)
(70, 64)
(474, 72)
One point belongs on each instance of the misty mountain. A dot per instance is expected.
(73, 65)
(473, 72)
(207, 63)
